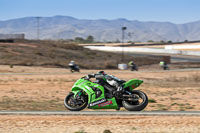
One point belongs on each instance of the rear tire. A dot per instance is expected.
(136, 106)
(69, 97)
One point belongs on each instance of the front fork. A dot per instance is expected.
(77, 97)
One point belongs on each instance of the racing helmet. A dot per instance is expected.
(102, 72)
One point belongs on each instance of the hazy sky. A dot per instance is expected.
(176, 11)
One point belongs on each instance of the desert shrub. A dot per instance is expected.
(152, 101)
(107, 131)
(81, 131)
(11, 66)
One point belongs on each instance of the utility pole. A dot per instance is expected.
(38, 28)
(123, 29)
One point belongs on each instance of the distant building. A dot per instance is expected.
(11, 37)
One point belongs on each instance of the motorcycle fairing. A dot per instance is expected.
(132, 84)
(108, 104)
(100, 102)
(87, 87)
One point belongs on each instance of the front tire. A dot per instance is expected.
(70, 102)
(136, 105)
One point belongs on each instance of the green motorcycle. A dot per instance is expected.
(100, 95)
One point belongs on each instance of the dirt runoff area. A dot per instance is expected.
(99, 124)
(37, 88)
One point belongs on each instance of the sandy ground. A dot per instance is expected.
(167, 90)
(98, 124)
(46, 89)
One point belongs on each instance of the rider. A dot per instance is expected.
(110, 79)
(132, 65)
(164, 65)
(72, 64)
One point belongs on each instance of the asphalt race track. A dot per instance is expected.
(109, 113)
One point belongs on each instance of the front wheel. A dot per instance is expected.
(137, 103)
(75, 104)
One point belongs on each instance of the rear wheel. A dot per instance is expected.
(75, 104)
(138, 101)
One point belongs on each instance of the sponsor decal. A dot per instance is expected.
(105, 103)
(88, 87)
(133, 86)
(97, 102)
(82, 82)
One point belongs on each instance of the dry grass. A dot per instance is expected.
(59, 53)
(189, 78)
(99, 124)
(15, 104)
(167, 90)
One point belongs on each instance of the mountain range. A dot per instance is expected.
(65, 27)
